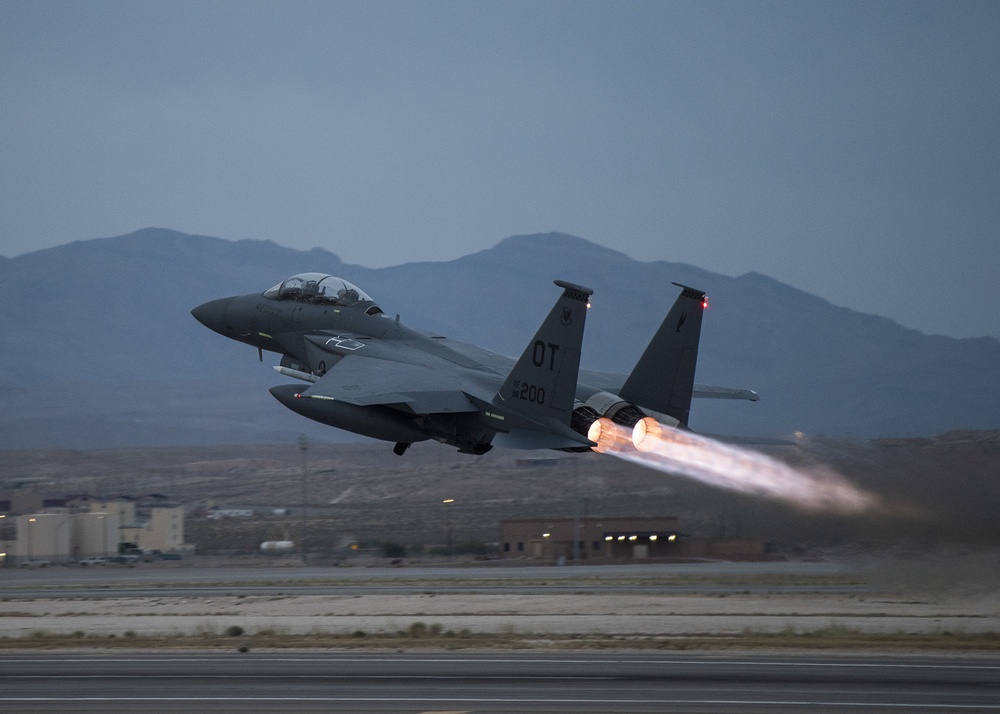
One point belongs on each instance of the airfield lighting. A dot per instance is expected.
(609, 537)
(546, 535)
(672, 537)
(653, 538)
(633, 537)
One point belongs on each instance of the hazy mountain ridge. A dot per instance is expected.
(97, 346)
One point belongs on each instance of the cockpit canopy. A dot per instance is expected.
(320, 289)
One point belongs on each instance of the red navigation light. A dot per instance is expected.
(704, 303)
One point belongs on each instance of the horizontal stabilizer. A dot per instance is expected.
(705, 392)
(534, 439)
(749, 440)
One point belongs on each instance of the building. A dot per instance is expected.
(124, 508)
(596, 538)
(162, 529)
(63, 537)
(616, 539)
(70, 529)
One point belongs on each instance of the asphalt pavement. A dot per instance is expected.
(409, 682)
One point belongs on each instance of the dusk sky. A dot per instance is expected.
(850, 149)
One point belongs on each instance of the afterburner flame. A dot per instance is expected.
(608, 435)
(726, 466)
(646, 434)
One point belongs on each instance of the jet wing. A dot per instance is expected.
(416, 388)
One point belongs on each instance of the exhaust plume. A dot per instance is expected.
(726, 466)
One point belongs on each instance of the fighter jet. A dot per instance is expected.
(368, 373)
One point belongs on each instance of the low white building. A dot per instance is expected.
(64, 537)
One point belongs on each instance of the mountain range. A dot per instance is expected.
(98, 348)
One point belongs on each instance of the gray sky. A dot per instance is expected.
(848, 149)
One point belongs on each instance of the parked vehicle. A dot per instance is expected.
(36, 563)
(94, 560)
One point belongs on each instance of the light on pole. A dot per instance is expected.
(31, 552)
(447, 515)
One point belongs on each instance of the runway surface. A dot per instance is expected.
(157, 580)
(494, 682)
(288, 570)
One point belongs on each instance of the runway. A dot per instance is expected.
(147, 580)
(495, 682)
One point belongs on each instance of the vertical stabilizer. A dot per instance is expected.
(542, 385)
(663, 379)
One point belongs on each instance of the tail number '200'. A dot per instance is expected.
(528, 392)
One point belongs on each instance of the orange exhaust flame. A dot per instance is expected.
(685, 453)
(646, 434)
(607, 434)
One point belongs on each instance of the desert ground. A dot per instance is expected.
(639, 603)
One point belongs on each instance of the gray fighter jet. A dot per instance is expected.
(369, 374)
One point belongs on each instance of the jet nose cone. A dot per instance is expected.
(213, 314)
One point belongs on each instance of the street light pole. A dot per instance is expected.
(576, 511)
(31, 551)
(303, 447)
(447, 515)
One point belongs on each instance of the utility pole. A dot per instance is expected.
(447, 514)
(576, 510)
(31, 552)
(303, 447)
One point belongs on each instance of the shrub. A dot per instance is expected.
(393, 550)
(418, 629)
